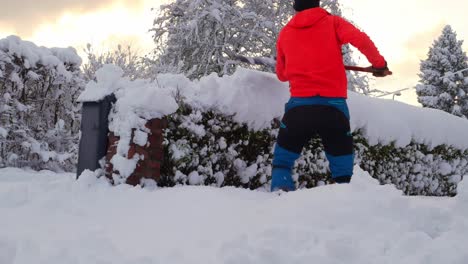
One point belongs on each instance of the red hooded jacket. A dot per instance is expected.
(309, 53)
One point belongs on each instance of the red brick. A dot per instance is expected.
(156, 124)
(152, 174)
(134, 179)
(131, 151)
(151, 164)
(157, 132)
(112, 139)
(155, 141)
(112, 150)
(140, 169)
(142, 151)
(164, 123)
(153, 153)
(157, 154)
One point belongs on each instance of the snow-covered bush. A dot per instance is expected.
(216, 150)
(39, 120)
(415, 169)
(210, 148)
(221, 131)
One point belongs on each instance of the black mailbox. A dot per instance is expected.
(94, 133)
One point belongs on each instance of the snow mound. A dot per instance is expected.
(56, 220)
(108, 80)
(253, 97)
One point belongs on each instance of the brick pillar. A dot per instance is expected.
(150, 166)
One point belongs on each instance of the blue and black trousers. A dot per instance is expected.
(306, 118)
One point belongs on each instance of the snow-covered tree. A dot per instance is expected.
(442, 85)
(126, 58)
(39, 119)
(196, 36)
(199, 37)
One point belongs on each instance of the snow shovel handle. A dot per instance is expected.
(272, 63)
(365, 69)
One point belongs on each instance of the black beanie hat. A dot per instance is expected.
(301, 5)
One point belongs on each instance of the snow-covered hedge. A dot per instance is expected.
(211, 148)
(222, 131)
(39, 121)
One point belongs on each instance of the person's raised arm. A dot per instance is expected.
(348, 33)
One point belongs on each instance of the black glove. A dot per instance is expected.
(381, 72)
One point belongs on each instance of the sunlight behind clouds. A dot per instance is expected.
(25, 15)
(104, 29)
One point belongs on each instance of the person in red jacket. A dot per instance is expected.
(309, 57)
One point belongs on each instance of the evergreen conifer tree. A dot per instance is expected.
(442, 85)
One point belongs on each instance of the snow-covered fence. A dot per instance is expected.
(39, 122)
(221, 131)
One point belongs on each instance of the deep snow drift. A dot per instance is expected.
(50, 218)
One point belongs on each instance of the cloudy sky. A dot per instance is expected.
(403, 30)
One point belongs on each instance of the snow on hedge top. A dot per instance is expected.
(34, 55)
(384, 121)
(256, 98)
(252, 97)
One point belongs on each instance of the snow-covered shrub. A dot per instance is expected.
(39, 120)
(223, 152)
(210, 148)
(222, 130)
(415, 169)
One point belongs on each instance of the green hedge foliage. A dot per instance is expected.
(209, 148)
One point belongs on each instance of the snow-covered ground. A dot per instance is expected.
(49, 218)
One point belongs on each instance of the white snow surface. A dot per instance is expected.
(51, 218)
